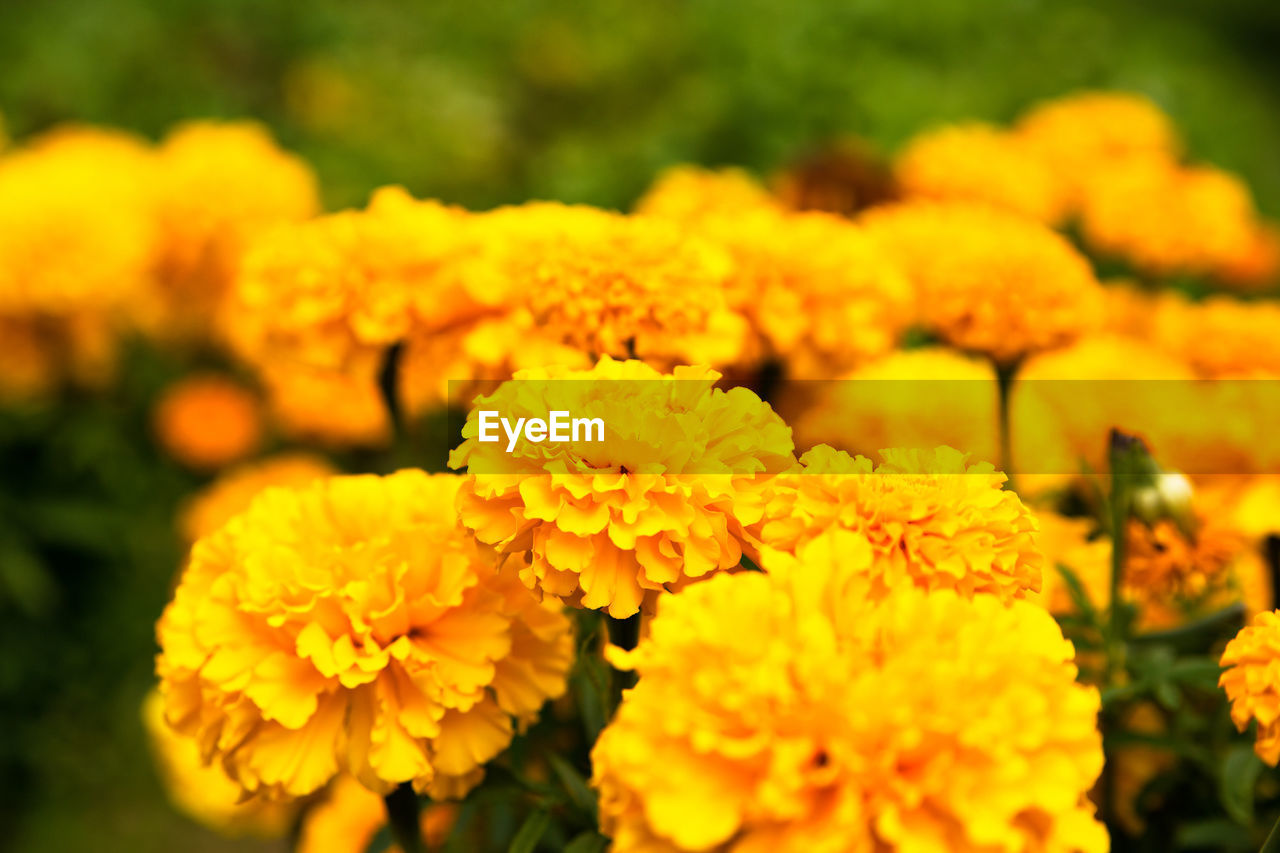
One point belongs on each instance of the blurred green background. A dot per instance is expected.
(478, 104)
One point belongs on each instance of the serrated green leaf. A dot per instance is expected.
(1239, 775)
(530, 832)
(574, 784)
(587, 842)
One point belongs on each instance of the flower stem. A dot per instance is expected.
(388, 380)
(1004, 384)
(402, 816)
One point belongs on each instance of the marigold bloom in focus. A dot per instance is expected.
(351, 816)
(909, 398)
(1252, 682)
(351, 626)
(831, 722)
(218, 184)
(689, 193)
(234, 490)
(203, 791)
(988, 281)
(661, 501)
(206, 421)
(932, 519)
(1082, 134)
(980, 163)
(1168, 219)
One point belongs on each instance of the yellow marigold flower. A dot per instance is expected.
(981, 163)
(452, 367)
(334, 408)
(817, 293)
(909, 398)
(218, 184)
(350, 626)
(689, 193)
(1168, 219)
(1257, 268)
(203, 791)
(207, 421)
(988, 281)
(1071, 542)
(832, 723)
(76, 227)
(342, 287)
(662, 500)
(623, 286)
(1252, 682)
(351, 815)
(1081, 134)
(930, 518)
(233, 491)
(1222, 337)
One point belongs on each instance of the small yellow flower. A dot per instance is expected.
(208, 421)
(932, 519)
(351, 626)
(690, 193)
(1252, 682)
(234, 490)
(980, 163)
(988, 281)
(831, 722)
(662, 500)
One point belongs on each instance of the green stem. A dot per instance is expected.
(402, 816)
(1004, 383)
(1272, 844)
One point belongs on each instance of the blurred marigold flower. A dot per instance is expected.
(980, 163)
(206, 421)
(202, 791)
(690, 193)
(1169, 219)
(1252, 682)
(326, 406)
(1079, 135)
(1222, 337)
(350, 816)
(931, 518)
(351, 626)
(834, 722)
(987, 281)
(218, 184)
(818, 293)
(662, 500)
(909, 398)
(235, 489)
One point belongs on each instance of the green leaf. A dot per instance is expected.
(574, 784)
(587, 842)
(1240, 771)
(530, 833)
(1272, 844)
(1214, 834)
(1079, 597)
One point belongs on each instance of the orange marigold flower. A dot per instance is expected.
(204, 792)
(929, 518)
(234, 490)
(909, 398)
(218, 185)
(351, 626)
(350, 817)
(1081, 134)
(662, 500)
(1164, 562)
(1221, 337)
(207, 421)
(1169, 219)
(818, 294)
(988, 281)
(832, 722)
(1257, 268)
(333, 408)
(1252, 682)
(689, 193)
(980, 163)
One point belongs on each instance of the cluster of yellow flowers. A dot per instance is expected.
(101, 231)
